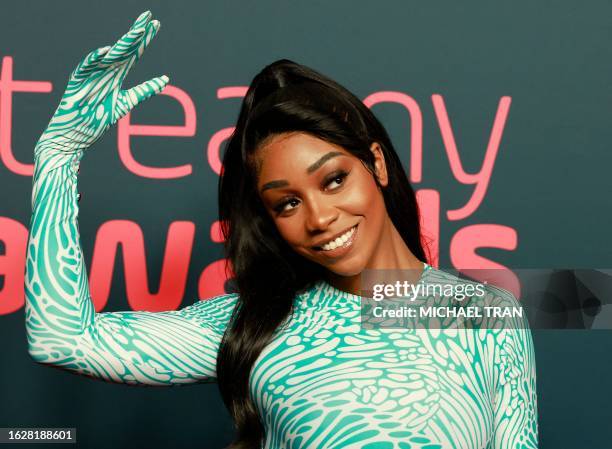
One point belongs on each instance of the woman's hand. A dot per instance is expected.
(93, 100)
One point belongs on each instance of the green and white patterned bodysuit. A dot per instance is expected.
(323, 382)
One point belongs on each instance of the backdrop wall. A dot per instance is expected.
(501, 114)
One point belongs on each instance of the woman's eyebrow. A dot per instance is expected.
(274, 185)
(323, 160)
(283, 183)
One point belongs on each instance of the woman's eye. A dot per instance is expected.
(332, 182)
(336, 180)
(286, 206)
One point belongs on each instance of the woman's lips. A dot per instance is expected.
(342, 249)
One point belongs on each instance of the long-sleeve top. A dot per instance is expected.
(324, 381)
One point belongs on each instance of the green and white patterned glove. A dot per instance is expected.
(94, 101)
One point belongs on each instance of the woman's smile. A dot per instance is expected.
(339, 245)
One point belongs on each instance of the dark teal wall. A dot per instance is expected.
(551, 180)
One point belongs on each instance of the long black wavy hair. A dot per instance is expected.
(286, 97)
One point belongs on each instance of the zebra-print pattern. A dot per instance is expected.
(93, 100)
(326, 382)
(323, 382)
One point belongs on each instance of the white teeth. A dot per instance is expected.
(338, 241)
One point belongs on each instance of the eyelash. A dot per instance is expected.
(340, 174)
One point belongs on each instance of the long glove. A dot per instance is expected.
(153, 348)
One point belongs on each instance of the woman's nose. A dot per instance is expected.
(320, 216)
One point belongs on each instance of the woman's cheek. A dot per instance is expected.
(288, 230)
(360, 197)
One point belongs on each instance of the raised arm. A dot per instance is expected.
(63, 329)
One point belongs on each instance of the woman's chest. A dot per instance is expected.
(326, 379)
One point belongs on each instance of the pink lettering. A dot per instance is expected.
(463, 255)
(14, 237)
(212, 280)
(126, 130)
(174, 270)
(216, 235)
(214, 145)
(482, 178)
(7, 87)
(429, 208)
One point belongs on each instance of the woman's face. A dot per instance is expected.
(324, 202)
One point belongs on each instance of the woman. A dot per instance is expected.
(312, 194)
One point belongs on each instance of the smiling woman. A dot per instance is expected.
(330, 209)
(311, 194)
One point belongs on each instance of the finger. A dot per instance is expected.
(90, 62)
(128, 99)
(151, 31)
(125, 64)
(124, 47)
(142, 19)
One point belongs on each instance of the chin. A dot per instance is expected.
(349, 266)
(347, 269)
